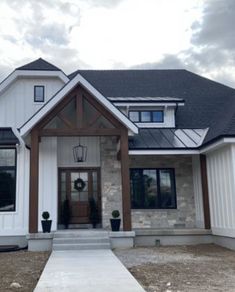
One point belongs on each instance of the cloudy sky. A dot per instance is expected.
(197, 35)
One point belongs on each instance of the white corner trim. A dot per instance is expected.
(17, 134)
(65, 90)
(163, 152)
(31, 73)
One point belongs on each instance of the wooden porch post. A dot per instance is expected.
(33, 187)
(205, 195)
(126, 200)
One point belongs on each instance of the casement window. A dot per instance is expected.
(147, 116)
(7, 179)
(153, 188)
(39, 92)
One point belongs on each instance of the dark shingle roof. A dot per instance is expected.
(7, 137)
(208, 104)
(39, 65)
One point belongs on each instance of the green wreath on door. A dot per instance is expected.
(79, 184)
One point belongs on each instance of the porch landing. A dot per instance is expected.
(86, 271)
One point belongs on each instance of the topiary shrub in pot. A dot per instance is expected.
(46, 224)
(115, 221)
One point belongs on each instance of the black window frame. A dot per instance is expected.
(11, 168)
(158, 189)
(151, 116)
(43, 87)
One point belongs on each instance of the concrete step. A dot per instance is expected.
(80, 246)
(80, 233)
(68, 240)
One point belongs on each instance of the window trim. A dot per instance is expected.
(15, 168)
(39, 101)
(151, 116)
(158, 187)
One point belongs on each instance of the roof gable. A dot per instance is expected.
(39, 64)
(38, 116)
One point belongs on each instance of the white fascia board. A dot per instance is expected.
(163, 152)
(6, 82)
(31, 73)
(40, 73)
(218, 144)
(146, 104)
(68, 88)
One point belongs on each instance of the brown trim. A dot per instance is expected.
(33, 188)
(100, 108)
(205, 195)
(58, 108)
(126, 199)
(95, 118)
(65, 120)
(79, 132)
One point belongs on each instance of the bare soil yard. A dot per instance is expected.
(181, 268)
(22, 267)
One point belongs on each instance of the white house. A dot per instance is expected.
(160, 148)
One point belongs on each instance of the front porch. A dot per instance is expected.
(164, 191)
(104, 172)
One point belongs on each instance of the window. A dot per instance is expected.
(147, 116)
(134, 116)
(39, 93)
(7, 179)
(153, 188)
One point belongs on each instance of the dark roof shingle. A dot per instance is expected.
(39, 65)
(208, 104)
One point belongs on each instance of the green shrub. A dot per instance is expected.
(45, 215)
(115, 214)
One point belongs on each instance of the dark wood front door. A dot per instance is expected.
(78, 186)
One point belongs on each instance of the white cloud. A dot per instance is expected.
(195, 34)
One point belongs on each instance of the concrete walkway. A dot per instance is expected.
(86, 271)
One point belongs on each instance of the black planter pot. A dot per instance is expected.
(46, 226)
(115, 224)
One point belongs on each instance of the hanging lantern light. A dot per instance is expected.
(79, 153)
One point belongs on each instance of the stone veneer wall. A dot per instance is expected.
(184, 215)
(111, 184)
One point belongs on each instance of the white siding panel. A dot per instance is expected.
(197, 185)
(221, 184)
(16, 223)
(48, 180)
(17, 102)
(65, 151)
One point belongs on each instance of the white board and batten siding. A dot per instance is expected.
(16, 223)
(197, 186)
(16, 107)
(65, 151)
(55, 153)
(17, 102)
(221, 184)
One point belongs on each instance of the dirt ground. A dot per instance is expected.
(22, 267)
(181, 268)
